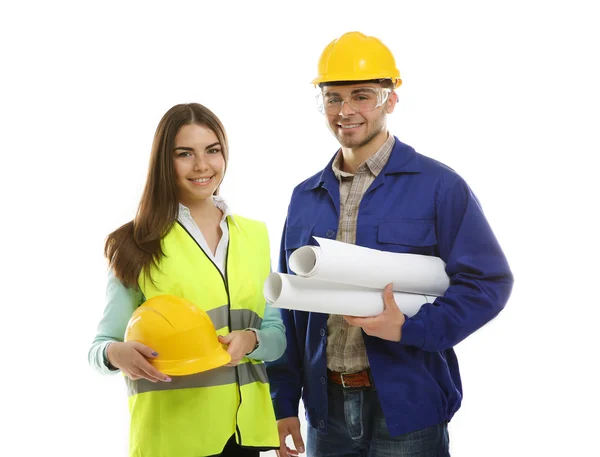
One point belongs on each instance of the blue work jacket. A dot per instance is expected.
(416, 205)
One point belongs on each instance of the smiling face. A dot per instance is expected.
(354, 129)
(199, 163)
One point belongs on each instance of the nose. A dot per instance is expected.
(346, 110)
(200, 163)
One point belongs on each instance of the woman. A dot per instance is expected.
(185, 241)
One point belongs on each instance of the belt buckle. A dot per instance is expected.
(343, 382)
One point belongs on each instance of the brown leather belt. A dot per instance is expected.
(359, 379)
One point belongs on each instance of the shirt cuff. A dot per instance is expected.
(105, 357)
(255, 331)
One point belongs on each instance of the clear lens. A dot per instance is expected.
(361, 100)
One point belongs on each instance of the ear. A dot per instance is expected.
(390, 104)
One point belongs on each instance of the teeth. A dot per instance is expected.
(201, 180)
(349, 126)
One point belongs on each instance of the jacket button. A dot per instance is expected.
(330, 233)
(322, 424)
(322, 332)
(323, 381)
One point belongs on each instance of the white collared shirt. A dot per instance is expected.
(220, 256)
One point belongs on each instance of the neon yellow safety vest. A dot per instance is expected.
(195, 415)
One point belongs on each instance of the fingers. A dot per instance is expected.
(351, 321)
(227, 338)
(149, 373)
(389, 302)
(139, 367)
(136, 375)
(152, 374)
(388, 297)
(284, 450)
(235, 346)
(359, 321)
(144, 350)
(297, 438)
(236, 358)
(144, 368)
(290, 426)
(289, 452)
(368, 324)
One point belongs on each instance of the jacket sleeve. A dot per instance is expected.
(285, 374)
(480, 277)
(121, 302)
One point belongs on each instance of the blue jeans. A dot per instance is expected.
(356, 428)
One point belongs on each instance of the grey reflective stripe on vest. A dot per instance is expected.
(244, 318)
(248, 373)
(219, 316)
(240, 318)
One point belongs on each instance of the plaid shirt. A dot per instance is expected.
(345, 345)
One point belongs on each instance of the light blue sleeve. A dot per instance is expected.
(272, 337)
(121, 302)
(271, 334)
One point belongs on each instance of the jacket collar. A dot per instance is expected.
(403, 159)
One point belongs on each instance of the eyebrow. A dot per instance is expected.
(355, 91)
(210, 146)
(187, 148)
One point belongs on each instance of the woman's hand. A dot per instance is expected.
(131, 358)
(239, 343)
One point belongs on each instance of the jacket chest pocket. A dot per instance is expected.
(295, 237)
(407, 236)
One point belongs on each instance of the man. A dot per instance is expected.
(385, 385)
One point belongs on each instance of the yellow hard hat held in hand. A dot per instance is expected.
(357, 57)
(182, 334)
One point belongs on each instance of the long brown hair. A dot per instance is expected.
(136, 246)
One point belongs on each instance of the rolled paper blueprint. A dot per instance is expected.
(304, 294)
(345, 263)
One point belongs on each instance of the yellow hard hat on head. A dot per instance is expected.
(182, 334)
(357, 57)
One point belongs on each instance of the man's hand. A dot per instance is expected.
(388, 324)
(289, 426)
(239, 343)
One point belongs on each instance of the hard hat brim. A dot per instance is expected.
(191, 366)
(352, 77)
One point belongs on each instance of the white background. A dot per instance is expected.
(506, 93)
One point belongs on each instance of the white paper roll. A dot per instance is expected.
(345, 263)
(304, 294)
